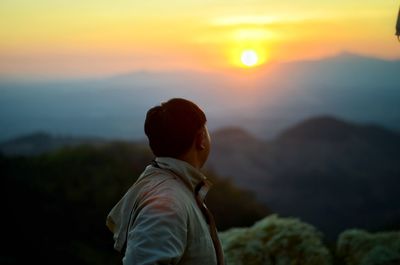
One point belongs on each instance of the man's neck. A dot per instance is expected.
(192, 159)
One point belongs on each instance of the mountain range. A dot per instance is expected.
(266, 101)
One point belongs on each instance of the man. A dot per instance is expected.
(162, 219)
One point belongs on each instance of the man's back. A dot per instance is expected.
(159, 219)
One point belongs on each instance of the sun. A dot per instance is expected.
(249, 58)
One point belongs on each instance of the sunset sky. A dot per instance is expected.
(94, 38)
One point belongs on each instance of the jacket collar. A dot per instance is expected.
(192, 177)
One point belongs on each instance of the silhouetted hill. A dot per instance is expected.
(321, 128)
(42, 142)
(329, 128)
(235, 145)
(234, 134)
(332, 173)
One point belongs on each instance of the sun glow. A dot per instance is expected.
(249, 58)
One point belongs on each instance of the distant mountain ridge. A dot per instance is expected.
(332, 129)
(347, 86)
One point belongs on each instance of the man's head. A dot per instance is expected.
(176, 126)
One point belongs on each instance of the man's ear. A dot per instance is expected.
(201, 141)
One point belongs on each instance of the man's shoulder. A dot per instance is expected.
(163, 184)
(155, 177)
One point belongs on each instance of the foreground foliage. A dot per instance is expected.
(274, 240)
(358, 247)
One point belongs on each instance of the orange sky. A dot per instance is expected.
(92, 38)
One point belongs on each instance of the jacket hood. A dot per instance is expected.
(117, 220)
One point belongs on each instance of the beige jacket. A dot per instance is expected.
(159, 220)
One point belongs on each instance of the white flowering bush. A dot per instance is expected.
(358, 247)
(275, 241)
